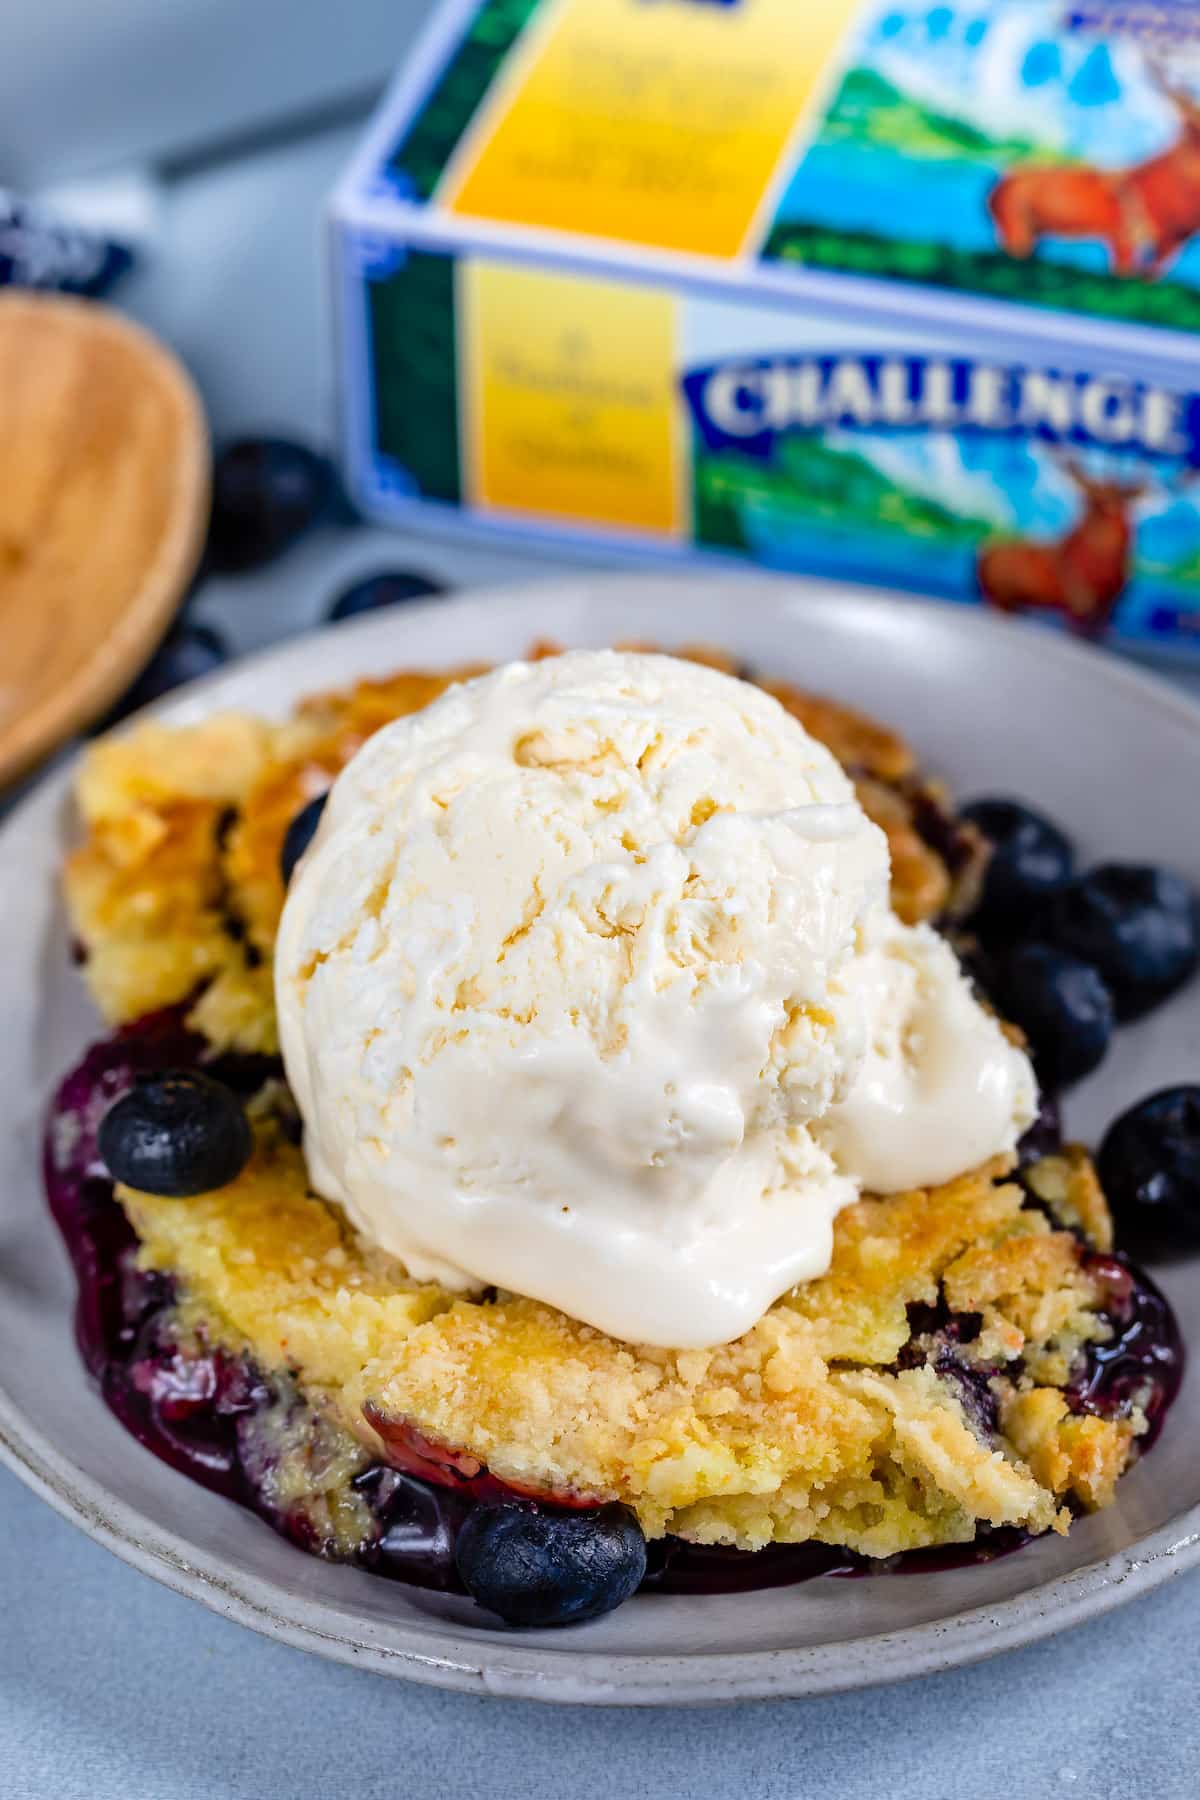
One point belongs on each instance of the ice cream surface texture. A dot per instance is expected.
(589, 989)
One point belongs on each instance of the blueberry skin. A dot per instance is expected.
(267, 492)
(1030, 860)
(1137, 924)
(1063, 1007)
(389, 587)
(299, 835)
(176, 1133)
(550, 1568)
(1149, 1168)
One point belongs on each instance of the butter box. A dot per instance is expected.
(896, 293)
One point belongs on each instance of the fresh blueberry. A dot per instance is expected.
(387, 588)
(187, 652)
(176, 1133)
(550, 1568)
(1062, 1006)
(299, 835)
(1030, 860)
(1138, 925)
(267, 491)
(1149, 1168)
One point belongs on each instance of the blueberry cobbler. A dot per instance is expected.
(591, 1125)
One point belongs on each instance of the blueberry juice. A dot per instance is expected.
(213, 1415)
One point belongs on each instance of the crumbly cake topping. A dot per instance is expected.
(829, 1419)
(904, 1399)
(176, 893)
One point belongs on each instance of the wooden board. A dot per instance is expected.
(104, 491)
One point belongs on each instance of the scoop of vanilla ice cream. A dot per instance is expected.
(588, 988)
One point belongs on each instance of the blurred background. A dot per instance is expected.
(207, 138)
(180, 162)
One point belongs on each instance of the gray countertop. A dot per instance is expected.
(111, 1686)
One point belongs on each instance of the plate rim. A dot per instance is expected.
(501, 1668)
(500, 1665)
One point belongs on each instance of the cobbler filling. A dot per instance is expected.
(256, 1440)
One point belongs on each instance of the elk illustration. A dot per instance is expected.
(1082, 574)
(1145, 213)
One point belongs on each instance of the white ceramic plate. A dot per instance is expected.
(994, 706)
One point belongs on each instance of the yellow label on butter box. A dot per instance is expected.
(567, 390)
(696, 276)
(651, 121)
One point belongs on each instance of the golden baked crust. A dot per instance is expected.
(859, 1411)
(828, 1420)
(175, 893)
